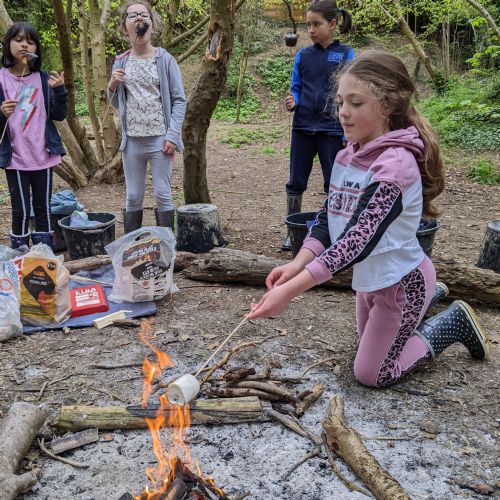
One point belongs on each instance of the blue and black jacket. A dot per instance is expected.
(56, 108)
(311, 77)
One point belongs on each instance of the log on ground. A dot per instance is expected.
(349, 446)
(226, 265)
(17, 431)
(203, 411)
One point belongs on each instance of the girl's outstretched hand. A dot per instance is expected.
(56, 79)
(282, 274)
(8, 107)
(168, 148)
(272, 303)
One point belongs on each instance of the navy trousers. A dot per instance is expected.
(304, 147)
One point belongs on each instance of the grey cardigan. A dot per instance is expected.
(172, 96)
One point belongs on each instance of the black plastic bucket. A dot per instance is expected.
(297, 225)
(82, 242)
(426, 234)
(59, 243)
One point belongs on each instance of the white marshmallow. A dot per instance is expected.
(183, 390)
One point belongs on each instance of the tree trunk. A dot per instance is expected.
(489, 19)
(64, 36)
(98, 44)
(70, 174)
(204, 99)
(87, 79)
(170, 15)
(239, 92)
(5, 20)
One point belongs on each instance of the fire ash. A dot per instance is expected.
(171, 475)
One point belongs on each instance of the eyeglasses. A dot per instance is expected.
(135, 15)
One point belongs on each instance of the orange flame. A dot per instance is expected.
(174, 416)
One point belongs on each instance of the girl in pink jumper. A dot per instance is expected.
(381, 185)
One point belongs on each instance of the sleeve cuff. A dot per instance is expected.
(314, 245)
(318, 271)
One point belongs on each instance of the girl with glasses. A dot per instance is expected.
(146, 87)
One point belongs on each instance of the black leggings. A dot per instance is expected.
(19, 182)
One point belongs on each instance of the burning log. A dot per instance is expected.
(203, 411)
(17, 430)
(226, 265)
(349, 446)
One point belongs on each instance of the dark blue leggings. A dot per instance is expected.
(20, 182)
(304, 147)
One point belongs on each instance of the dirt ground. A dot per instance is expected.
(436, 431)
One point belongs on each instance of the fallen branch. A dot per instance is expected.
(316, 393)
(315, 452)
(17, 430)
(266, 387)
(293, 425)
(348, 484)
(236, 392)
(349, 446)
(68, 461)
(203, 411)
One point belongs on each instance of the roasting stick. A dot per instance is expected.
(187, 387)
(26, 60)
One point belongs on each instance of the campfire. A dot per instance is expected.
(171, 479)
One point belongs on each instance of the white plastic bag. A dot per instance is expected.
(143, 261)
(10, 318)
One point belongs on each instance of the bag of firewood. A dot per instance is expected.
(44, 288)
(143, 261)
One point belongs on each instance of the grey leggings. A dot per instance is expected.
(135, 156)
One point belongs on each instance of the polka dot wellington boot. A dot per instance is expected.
(440, 292)
(457, 323)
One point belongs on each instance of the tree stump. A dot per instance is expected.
(198, 228)
(489, 257)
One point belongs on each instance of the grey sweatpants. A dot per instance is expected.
(135, 156)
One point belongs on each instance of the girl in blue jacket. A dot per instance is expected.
(316, 130)
(30, 99)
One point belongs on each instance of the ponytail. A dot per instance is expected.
(329, 10)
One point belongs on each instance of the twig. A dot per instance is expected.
(316, 451)
(240, 392)
(228, 355)
(303, 374)
(348, 484)
(113, 367)
(266, 387)
(108, 393)
(42, 390)
(388, 438)
(41, 444)
(293, 425)
(308, 400)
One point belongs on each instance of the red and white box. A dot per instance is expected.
(88, 300)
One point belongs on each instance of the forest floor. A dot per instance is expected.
(436, 431)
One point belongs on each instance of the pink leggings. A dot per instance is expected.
(386, 321)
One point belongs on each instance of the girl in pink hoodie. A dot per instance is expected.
(381, 185)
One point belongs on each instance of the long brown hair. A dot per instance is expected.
(329, 10)
(390, 82)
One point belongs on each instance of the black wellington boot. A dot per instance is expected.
(293, 206)
(46, 238)
(131, 220)
(457, 323)
(440, 292)
(165, 219)
(18, 241)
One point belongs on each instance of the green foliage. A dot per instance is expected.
(236, 137)
(484, 172)
(467, 114)
(276, 73)
(226, 108)
(81, 108)
(268, 150)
